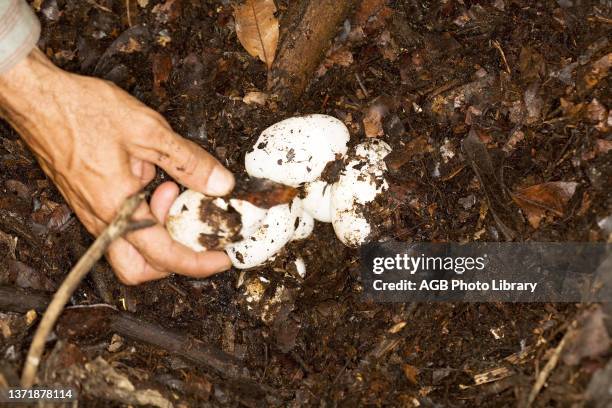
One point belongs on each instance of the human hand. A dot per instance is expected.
(99, 145)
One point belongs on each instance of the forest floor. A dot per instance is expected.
(530, 79)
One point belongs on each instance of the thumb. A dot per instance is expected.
(189, 164)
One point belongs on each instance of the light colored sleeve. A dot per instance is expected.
(19, 32)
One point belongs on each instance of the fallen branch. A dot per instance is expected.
(308, 34)
(119, 226)
(87, 320)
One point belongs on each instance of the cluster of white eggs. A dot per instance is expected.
(293, 152)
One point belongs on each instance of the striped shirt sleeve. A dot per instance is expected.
(19, 32)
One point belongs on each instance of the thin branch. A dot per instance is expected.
(117, 228)
(547, 370)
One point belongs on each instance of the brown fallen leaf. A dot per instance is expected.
(168, 11)
(161, 66)
(399, 157)
(378, 109)
(603, 146)
(131, 46)
(255, 97)
(537, 199)
(257, 29)
(596, 112)
(598, 71)
(411, 373)
(341, 57)
(263, 193)
(372, 13)
(372, 122)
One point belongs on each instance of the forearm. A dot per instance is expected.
(30, 95)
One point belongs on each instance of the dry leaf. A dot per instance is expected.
(599, 70)
(399, 157)
(603, 146)
(256, 97)
(168, 11)
(264, 193)
(372, 122)
(341, 57)
(131, 46)
(257, 28)
(411, 373)
(372, 13)
(538, 199)
(162, 67)
(596, 112)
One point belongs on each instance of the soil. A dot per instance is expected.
(528, 79)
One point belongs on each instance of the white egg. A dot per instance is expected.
(359, 183)
(296, 150)
(317, 200)
(305, 225)
(251, 215)
(195, 220)
(270, 236)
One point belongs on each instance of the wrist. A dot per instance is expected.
(25, 88)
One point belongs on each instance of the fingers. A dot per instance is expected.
(161, 251)
(186, 162)
(162, 199)
(142, 170)
(129, 266)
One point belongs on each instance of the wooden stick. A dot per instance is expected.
(120, 225)
(108, 319)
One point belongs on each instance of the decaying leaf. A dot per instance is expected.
(255, 97)
(378, 109)
(162, 67)
(598, 71)
(411, 373)
(372, 11)
(257, 28)
(372, 122)
(131, 46)
(264, 193)
(551, 196)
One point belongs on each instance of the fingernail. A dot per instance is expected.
(220, 182)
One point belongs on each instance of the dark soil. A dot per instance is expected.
(525, 77)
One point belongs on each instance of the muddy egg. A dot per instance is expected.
(268, 237)
(201, 222)
(296, 150)
(360, 182)
(249, 235)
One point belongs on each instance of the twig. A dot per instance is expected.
(117, 228)
(548, 368)
(99, 6)
(129, 16)
(363, 88)
(499, 48)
